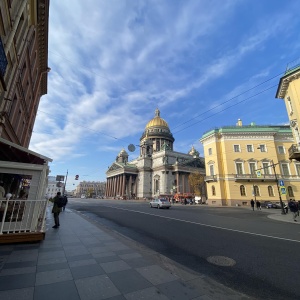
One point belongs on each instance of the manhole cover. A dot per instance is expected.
(222, 261)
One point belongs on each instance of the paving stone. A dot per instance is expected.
(107, 259)
(156, 275)
(96, 288)
(130, 255)
(19, 281)
(18, 294)
(59, 291)
(115, 266)
(24, 264)
(86, 271)
(129, 281)
(83, 262)
(48, 277)
(147, 294)
(15, 271)
(51, 267)
(79, 257)
(138, 262)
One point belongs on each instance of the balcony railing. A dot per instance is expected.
(210, 178)
(22, 216)
(294, 152)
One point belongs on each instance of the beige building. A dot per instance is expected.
(90, 189)
(247, 162)
(289, 91)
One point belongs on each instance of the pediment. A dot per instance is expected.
(114, 167)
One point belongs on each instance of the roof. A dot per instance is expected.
(157, 121)
(14, 153)
(249, 129)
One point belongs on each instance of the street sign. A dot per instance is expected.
(281, 182)
(258, 173)
(282, 190)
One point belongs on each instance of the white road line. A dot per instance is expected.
(206, 225)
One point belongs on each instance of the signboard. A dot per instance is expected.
(281, 182)
(60, 178)
(282, 190)
(258, 173)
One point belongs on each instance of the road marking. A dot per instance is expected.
(207, 225)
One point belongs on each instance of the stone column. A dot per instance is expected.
(130, 186)
(183, 183)
(135, 185)
(177, 181)
(123, 185)
(114, 186)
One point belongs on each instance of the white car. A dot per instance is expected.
(160, 203)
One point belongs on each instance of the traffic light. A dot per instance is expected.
(76, 177)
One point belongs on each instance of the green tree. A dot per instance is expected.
(196, 181)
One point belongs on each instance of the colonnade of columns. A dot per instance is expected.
(121, 185)
(183, 185)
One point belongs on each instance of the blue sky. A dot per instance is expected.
(203, 63)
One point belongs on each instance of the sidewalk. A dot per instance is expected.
(82, 260)
(275, 214)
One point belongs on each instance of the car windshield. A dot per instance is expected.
(163, 200)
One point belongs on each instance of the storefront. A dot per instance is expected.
(23, 176)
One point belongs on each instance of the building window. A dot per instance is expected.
(266, 168)
(256, 190)
(209, 151)
(250, 148)
(290, 191)
(211, 170)
(213, 190)
(285, 169)
(280, 150)
(242, 190)
(236, 148)
(262, 148)
(239, 168)
(270, 191)
(252, 167)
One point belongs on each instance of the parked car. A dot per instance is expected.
(160, 203)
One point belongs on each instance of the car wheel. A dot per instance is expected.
(168, 207)
(151, 205)
(158, 206)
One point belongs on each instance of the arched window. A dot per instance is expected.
(290, 191)
(242, 190)
(256, 190)
(270, 191)
(213, 190)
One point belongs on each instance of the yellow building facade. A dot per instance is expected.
(249, 162)
(289, 91)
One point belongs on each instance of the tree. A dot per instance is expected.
(196, 181)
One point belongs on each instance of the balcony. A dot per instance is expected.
(294, 152)
(210, 178)
(254, 178)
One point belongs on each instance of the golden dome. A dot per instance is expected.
(157, 121)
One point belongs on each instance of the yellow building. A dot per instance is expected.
(247, 162)
(289, 90)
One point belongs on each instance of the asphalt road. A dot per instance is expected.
(261, 255)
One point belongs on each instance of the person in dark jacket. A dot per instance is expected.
(252, 204)
(293, 206)
(56, 210)
(258, 207)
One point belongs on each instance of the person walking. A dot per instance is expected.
(293, 206)
(258, 207)
(65, 202)
(56, 210)
(252, 204)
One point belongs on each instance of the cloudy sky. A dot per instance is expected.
(203, 63)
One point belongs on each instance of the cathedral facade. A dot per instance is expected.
(158, 171)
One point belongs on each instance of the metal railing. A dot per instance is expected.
(22, 216)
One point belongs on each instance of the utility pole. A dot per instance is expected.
(65, 183)
(276, 179)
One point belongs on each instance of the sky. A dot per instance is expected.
(203, 63)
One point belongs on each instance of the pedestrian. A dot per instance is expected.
(293, 205)
(258, 207)
(56, 210)
(252, 204)
(65, 202)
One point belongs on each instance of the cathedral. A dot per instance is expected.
(158, 171)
